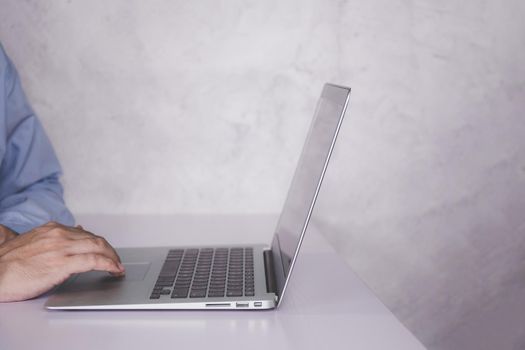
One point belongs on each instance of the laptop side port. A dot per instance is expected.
(218, 304)
(257, 304)
(242, 304)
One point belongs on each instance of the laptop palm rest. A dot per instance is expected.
(96, 280)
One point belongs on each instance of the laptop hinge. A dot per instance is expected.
(271, 286)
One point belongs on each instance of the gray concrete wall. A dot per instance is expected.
(171, 106)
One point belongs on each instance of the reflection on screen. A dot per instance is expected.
(310, 170)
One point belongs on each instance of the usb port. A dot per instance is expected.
(257, 304)
(242, 304)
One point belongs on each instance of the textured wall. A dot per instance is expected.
(172, 106)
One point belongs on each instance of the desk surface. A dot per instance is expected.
(350, 316)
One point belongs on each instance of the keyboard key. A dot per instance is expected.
(199, 286)
(179, 293)
(234, 293)
(162, 278)
(198, 293)
(217, 288)
(183, 282)
(163, 284)
(235, 283)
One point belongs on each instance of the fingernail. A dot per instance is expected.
(121, 267)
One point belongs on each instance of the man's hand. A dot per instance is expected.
(6, 234)
(37, 261)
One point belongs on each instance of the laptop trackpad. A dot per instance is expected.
(136, 271)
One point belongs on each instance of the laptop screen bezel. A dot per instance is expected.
(339, 95)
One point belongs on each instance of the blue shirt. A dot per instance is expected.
(30, 191)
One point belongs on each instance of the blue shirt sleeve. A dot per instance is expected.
(30, 191)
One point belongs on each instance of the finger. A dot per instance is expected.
(113, 251)
(91, 241)
(88, 262)
(80, 233)
(92, 244)
(108, 247)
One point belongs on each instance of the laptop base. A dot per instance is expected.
(97, 290)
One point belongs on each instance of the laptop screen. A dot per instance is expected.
(308, 175)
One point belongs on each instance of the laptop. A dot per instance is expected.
(219, 277)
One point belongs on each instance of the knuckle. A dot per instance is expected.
(100, 242)
(51, 224)
(57, 232)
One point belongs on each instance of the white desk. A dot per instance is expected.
(326, 306)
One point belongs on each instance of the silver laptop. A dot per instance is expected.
(226, 277)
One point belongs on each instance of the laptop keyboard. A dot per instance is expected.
(206, 272)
